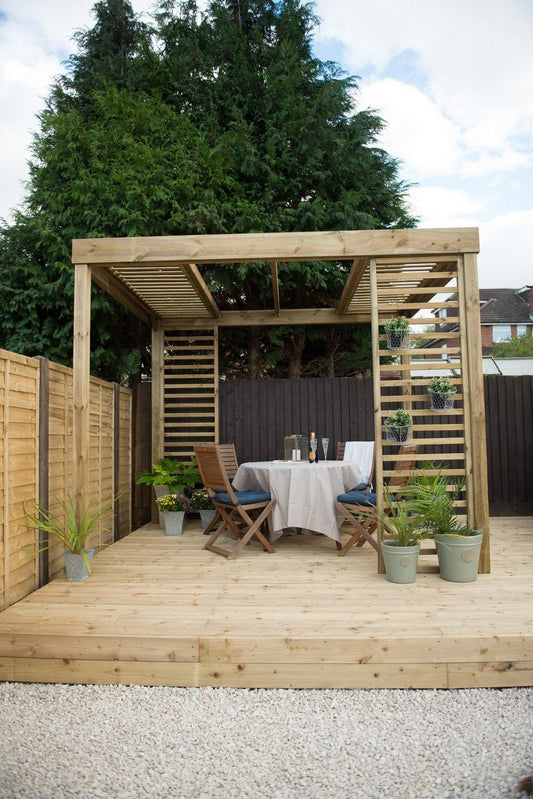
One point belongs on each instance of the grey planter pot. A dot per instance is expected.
(206, 517)
(458, 557)
(174, 522)
(160, 491)
(400, 562)
(76, 565)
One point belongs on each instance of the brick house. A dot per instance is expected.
(505, 314)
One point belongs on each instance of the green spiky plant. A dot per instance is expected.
(64, 527)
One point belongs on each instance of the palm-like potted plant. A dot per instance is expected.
(442, 392)
(458, 546)
(201, 501)
(174, 507)
(404, 528)
(397, 332)
(63, 526)
(397, 426)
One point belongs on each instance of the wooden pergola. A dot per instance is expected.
(391, 272)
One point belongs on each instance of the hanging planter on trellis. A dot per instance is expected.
(397, 332)
(398, 427)
(442, 393)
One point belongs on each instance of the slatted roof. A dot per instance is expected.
(159, 278)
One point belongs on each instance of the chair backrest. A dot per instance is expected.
(340, 450)
(229, 459)
(407, 466)
(211, 468)
(363, 453)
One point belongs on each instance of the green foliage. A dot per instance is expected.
(196, 124)
(519, 347)
(433, 498)
(399, 419)
(400, 519)
(64, 526)
(397, 324)
(441, 385)
(171, 472)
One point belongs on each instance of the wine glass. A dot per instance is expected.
(325, 444)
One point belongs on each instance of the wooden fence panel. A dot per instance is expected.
(36, 462)
(19, 395)
(509, 411)
(257, 414)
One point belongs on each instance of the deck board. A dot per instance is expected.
(159, 610)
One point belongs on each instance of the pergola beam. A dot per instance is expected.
(256, 247)
(286, 316)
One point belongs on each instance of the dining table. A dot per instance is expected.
(304, 493)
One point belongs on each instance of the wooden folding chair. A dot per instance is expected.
(355, 502)
(231, 465)
(237, 509)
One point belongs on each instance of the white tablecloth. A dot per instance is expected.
(304, 493)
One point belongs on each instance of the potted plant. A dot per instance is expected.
(64, 527)
(458, 546)
(405, 528)
(174, 507)
(397, 426)
(397, 332)
(201, 501)
(170, 476)
(442, 392)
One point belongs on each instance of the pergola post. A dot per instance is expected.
(158, 388)
(81, 387)
(475, 432)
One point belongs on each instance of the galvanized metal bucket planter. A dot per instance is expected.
(400, 562)
(76, 565)
(174, 522)
(206, 517)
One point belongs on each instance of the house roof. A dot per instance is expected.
(502, 306)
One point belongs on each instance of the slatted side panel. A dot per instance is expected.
(402, 375)
(123, 473)
(191, 391)
(19, 396)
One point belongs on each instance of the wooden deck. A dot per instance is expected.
(159, 610)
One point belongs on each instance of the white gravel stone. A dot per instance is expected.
(132, 742)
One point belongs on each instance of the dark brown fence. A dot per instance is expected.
(257, 414)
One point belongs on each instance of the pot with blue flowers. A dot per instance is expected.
(201, 501)
(173, 508)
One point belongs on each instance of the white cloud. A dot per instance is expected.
(416, 131)
(505, 255)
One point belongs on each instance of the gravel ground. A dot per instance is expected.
(131, 742)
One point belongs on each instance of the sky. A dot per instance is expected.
(452, 80)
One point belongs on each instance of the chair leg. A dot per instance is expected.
(253, 530)
(362, 532)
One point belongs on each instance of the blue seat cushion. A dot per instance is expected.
(358, 498)
(244, 497)
(360, 487)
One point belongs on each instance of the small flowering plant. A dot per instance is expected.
(173, 502)
(201, 500)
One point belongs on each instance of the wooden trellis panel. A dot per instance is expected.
(190, 391)
(401, 376)
(19, 398)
